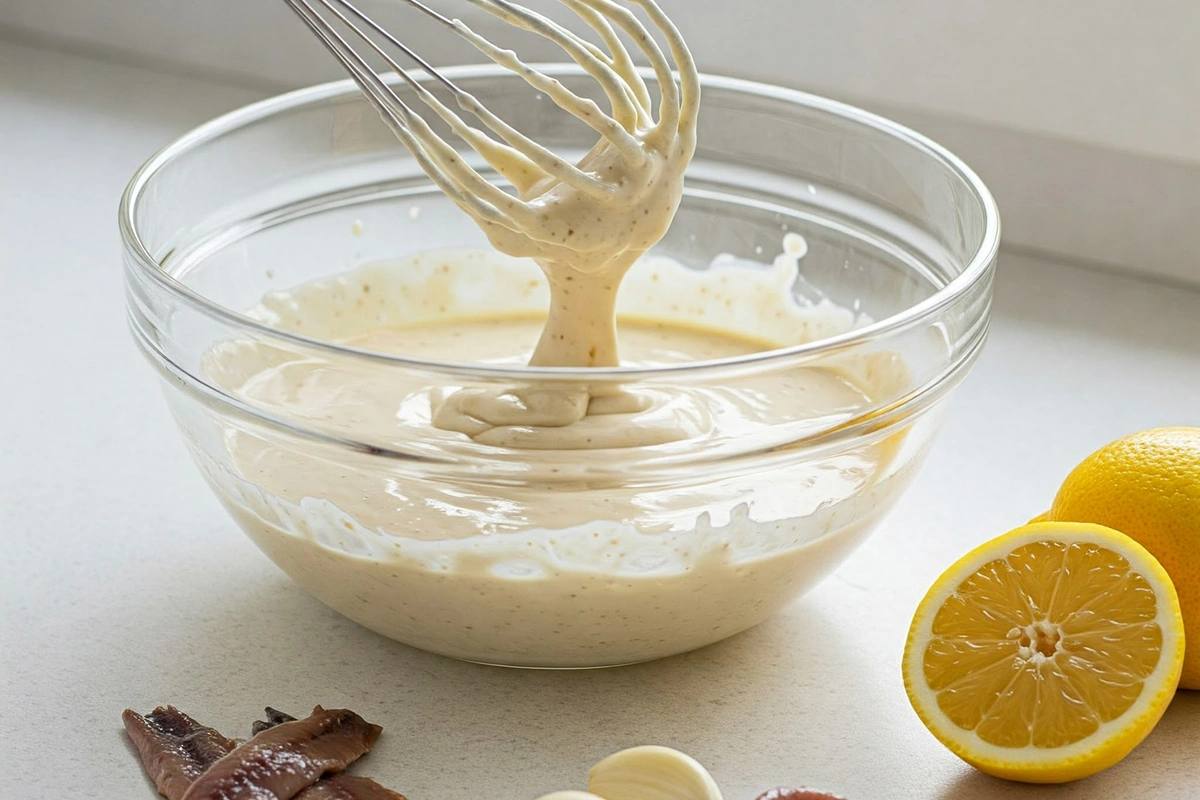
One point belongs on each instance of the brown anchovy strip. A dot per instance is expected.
(282, 761)
(339, 786)
(178, 752)
(274, 717)
(175, 749)
(348, 787)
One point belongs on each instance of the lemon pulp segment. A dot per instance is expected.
(1017, 658)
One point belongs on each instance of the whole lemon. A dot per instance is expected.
(1147, 486)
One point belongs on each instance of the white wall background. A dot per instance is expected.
(1083, 115)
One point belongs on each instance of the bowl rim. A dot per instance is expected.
(977, 269)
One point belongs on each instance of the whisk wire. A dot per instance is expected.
(584, 53)
(530, 167)
(620, 59)
(407, 124)
(536, 160)
(509, 161)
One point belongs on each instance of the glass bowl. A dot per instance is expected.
(578, 558)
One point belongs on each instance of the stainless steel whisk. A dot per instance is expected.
(533, 170)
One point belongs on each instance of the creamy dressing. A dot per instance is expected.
(569, 563)
(350, 398)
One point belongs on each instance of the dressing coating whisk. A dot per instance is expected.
(636, 165)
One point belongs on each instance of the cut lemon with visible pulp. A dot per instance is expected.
(1047, 654)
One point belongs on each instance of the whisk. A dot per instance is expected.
(595, 214)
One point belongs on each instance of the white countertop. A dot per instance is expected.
(123, 583)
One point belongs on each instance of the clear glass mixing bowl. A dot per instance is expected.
(711, 535)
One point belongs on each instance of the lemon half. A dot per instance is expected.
(1046, 654)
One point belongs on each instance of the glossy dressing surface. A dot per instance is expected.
(567, 562)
